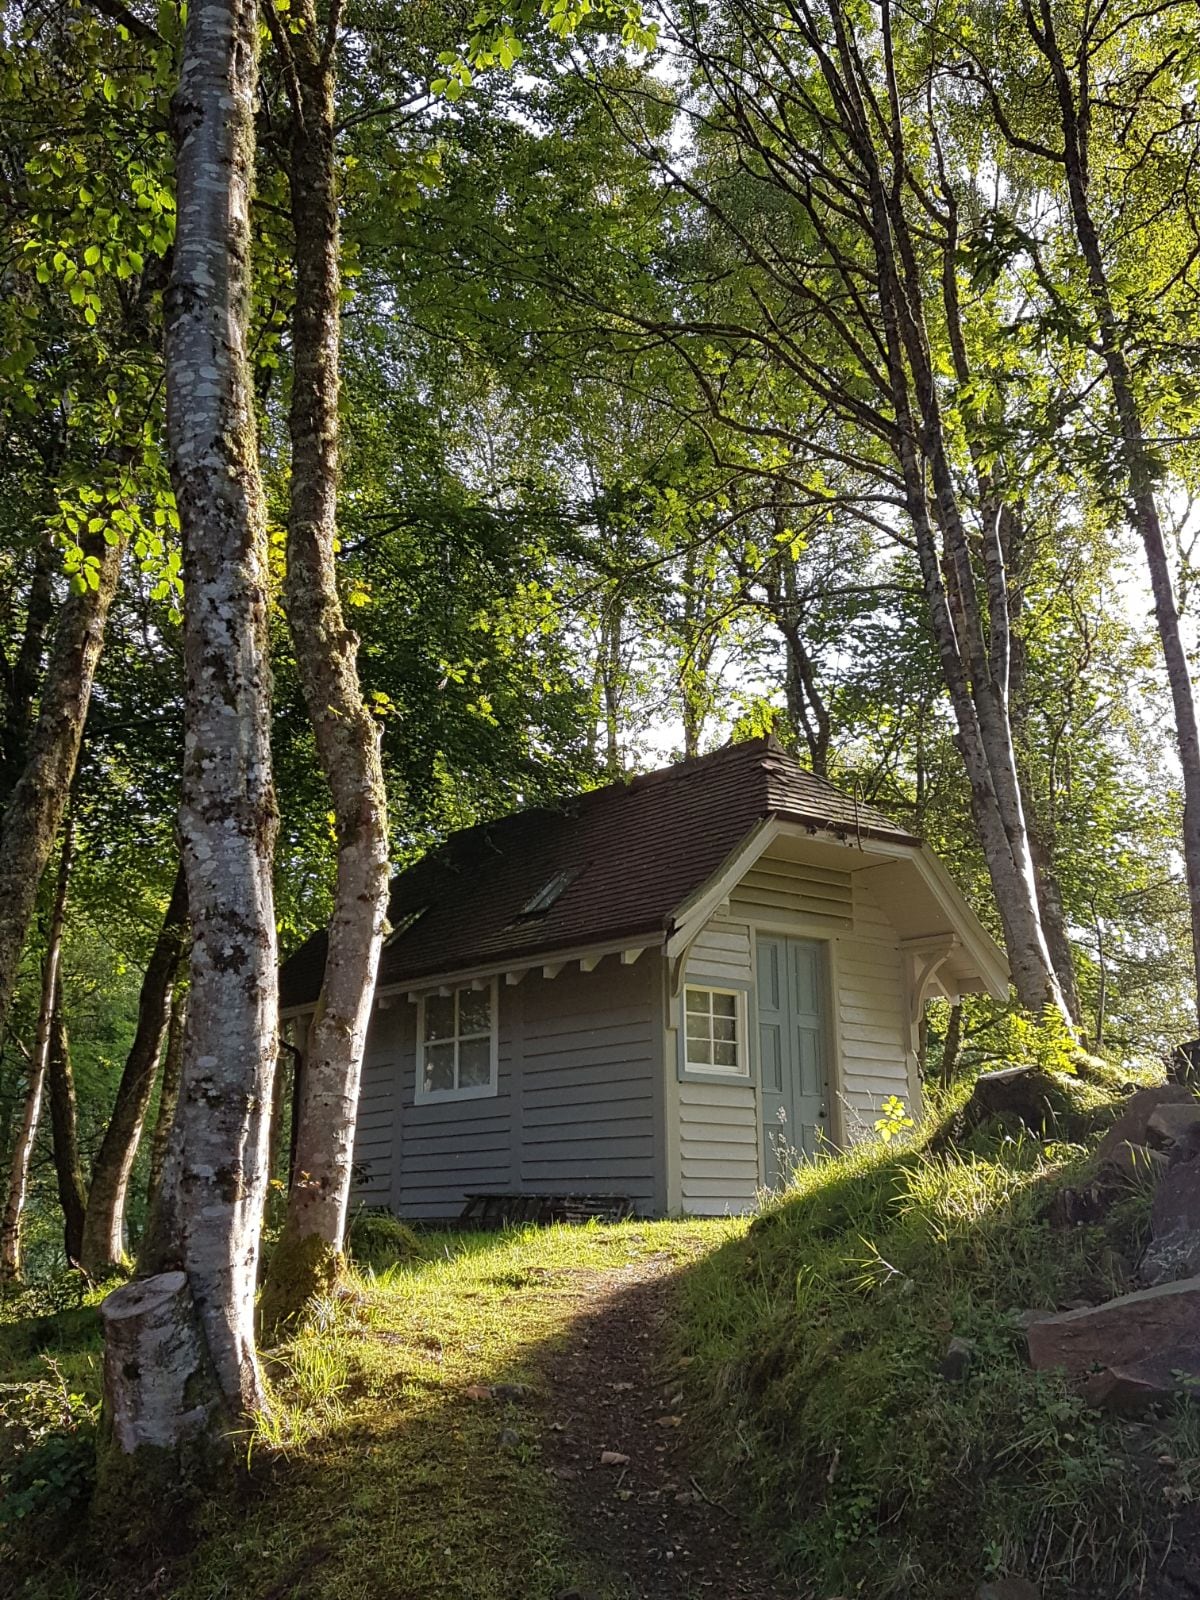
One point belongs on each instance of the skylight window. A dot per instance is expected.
(549, 893)
(404, 922)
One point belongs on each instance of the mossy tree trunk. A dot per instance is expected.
(104, 1224)
(194, 1312)
(308, 1254)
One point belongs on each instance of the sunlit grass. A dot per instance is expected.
(816, 1344)
(390, 1478)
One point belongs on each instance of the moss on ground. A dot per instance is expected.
(377, 1240)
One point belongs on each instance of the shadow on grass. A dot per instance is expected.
(442, 1438)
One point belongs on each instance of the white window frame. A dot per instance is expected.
(478, 1091)
(741, 1015)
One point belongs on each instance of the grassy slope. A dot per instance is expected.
(817, 1341)
(813, 1342)
(378, 1474)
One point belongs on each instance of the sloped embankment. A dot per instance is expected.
(859, 1366)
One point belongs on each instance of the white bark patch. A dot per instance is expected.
(158, 1387)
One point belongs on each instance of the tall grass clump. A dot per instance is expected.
(877, 1461)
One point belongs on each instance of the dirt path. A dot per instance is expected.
(607, 1393)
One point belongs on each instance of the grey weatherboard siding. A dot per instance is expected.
(579, 1107)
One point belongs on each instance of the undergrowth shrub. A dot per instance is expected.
(816, 1348)
(378, 1240)
(47, 1457)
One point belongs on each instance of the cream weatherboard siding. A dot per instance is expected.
(872, 1024)
(717, 1123)
(718, 1150)
(579, 1107)
(809, 901)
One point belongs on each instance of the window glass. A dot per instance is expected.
(475, 1011)
(439, 1016)
(439, 1067)
(474, 1063)
(457, 1042)
(712, 1030)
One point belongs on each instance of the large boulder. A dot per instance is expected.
(1133, 1125)
(1175, 1130)
(1149, 1341)
(1174, 1248)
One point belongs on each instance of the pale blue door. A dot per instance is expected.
(792, 1051)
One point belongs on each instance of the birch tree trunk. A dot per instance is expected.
(104, 1223)
(208, 1220)
(975, 675)
(310, 1251)
(64, 1124)
(1005, 562)
(1135, 453)
(18, 1172)
(39, 799)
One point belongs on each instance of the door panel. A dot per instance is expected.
(793, 1051)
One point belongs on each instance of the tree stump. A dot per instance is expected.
(159, 1388)
(164, 1436)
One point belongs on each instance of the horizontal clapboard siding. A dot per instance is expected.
(578, 1108)
(718, 1156)
(588, 1089)
(785, 893)
(452, 1148)
(720, 953)
(377, 1128)
(872, 1029)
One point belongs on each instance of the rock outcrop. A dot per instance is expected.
(1147, 1343)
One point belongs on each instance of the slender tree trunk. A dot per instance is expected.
(64, 1123)
(978, 696)
(39, 800)
(168, 1097)
(310, 1250)
(209, 1217)
(21, 682)
(104, 1225)
(952, 1043)
(1136, 456)
(18, 1173)
(1004, 546)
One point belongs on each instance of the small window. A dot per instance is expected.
(456, 1044)
(549, 893)
(715, 1031)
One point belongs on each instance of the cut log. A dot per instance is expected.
(159, 1387)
